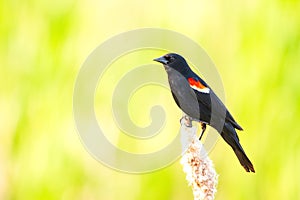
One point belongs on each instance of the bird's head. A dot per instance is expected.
(174, 61)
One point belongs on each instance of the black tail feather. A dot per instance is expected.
(230, 136)
(244, 160)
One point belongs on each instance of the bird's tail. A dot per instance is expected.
(244, 160)
(230, 136)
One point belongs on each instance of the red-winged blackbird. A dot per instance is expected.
(198, 101)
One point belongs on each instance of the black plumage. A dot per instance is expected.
(197, 100)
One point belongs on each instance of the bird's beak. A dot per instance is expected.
(161, 60)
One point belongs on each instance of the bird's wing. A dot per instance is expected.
(206, 97)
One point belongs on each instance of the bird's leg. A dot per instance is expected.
(203, 127)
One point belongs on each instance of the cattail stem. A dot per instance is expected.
(199, 169)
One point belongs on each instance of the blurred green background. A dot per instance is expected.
(254, 44)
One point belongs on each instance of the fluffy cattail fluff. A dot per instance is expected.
(199, 169)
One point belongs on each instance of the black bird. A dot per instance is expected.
(198, 101)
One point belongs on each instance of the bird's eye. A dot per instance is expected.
(167, 57)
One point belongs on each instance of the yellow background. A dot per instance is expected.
(254, 44)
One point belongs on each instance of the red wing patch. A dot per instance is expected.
(197, 85)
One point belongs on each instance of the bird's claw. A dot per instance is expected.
(187, 121)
